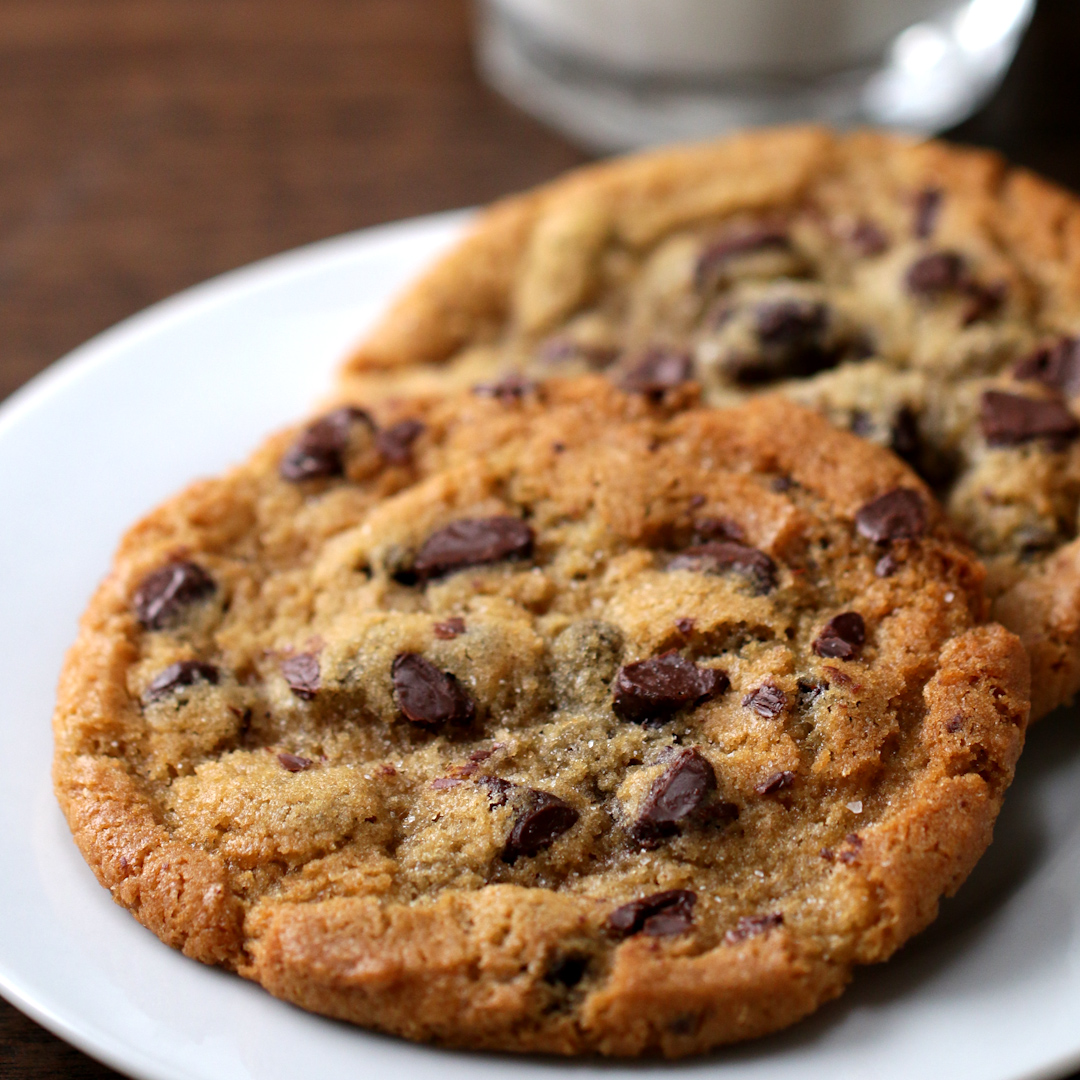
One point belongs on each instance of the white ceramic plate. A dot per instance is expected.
(992, 992)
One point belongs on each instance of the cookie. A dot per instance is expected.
(924, 296)
(565, 720)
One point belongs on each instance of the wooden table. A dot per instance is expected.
(148, 144)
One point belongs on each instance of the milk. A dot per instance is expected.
(711, 38)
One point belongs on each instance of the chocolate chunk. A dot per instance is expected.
(751, 926)
(427, 695)
(743, 240)
(649, 691)
(658, 370)
(1010, 420)
(680, 790)
(790, 322)
(567, 971)
(718, 556)
(545, 818)
(791, 335)
(809, 692)
(182, 673)
(904, 438)
(717, 528)
(498, 789)
(842, 636)
(982, 302)
(935, 275)
(449, 629)
(868, 239)
(162, 595)
(927, 207)
(685, 626)
(862, 424)
(779, 781)
(510, 388)
(473, 542)
(1056, 366)
(767, 700)
(294, 762)
(899, 514)
(395, 442)
(320, 450)
(301, 672)
(658, 915)
(886, 566)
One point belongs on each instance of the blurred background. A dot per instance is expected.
(146, 145)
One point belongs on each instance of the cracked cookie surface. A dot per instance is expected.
(586, 723)
(926, 297)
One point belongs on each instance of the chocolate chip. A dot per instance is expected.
(680, 790)
(567, 971)
(510, 388)
(868, 239)
(851, 852)
(498, 789)
(1056, 366)
(954, 723)
(767, 700)
(862, 424)
(473, 542)
(809, 692)
(449, 629)
(656, 371)
(742, 240)
(899, 514)
(649, 691)
(904, 437)
(982, 302)
(780, 484)
(685, 626)
(886, 566)
(182, 673)
(427, 695)
(751, 926)
(935, 275)
(1010, 420)
(320, 449)
(301, 672)
(927, 207)
(441, 783)
(790, 322)
(162, 594)
(395, 442)
(658, 915)
(717, 528)
(718, 556)
(791, 335)
(545, 818)
(294, 762)
(779, 781)
(842, 636)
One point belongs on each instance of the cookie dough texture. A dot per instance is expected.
(896, 286)
(591, 724)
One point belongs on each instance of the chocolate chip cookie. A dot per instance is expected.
(924, 296)
(565, 719)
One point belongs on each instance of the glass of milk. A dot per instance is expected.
(618, 74)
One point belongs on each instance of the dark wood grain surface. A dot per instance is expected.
(148, 144)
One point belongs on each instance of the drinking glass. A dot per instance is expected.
(619, 74)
